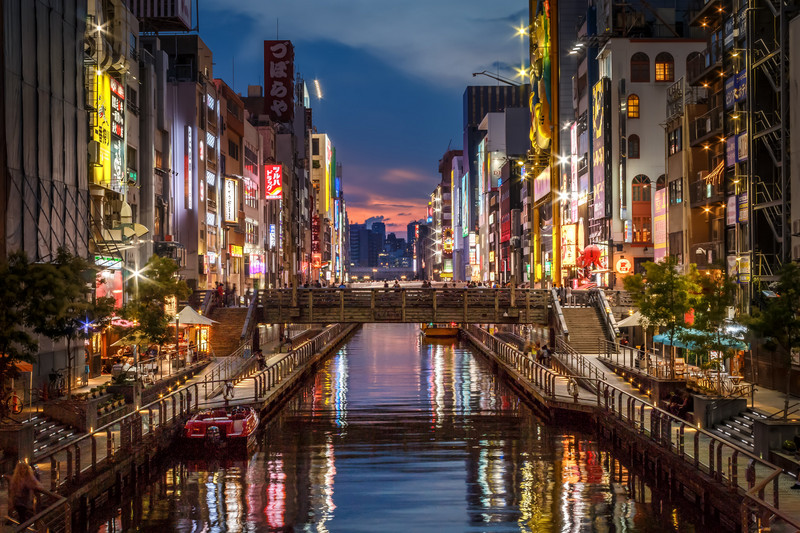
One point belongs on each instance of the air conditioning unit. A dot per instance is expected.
(796, 252)
(796, 228)
(94, 153)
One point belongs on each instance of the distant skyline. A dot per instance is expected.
(392, 76)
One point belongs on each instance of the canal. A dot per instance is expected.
(395, 433)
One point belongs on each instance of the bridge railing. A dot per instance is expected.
(377, 303)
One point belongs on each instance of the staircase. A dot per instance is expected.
(585, 328)
(225, 337)
(738, 429)
(49, 433)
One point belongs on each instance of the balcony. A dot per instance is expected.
(704, 13)
(705, 127)
(704, 68)
(706, 254)
(702, 193)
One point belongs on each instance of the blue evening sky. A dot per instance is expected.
(392, 76)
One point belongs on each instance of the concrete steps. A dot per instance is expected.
(585, 328)
(49, 433)
(225, 336)
(738, 429)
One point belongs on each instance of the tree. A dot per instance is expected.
(779, 320)
(717, 294)
(664, 296)
(149, 292)
(18, 296)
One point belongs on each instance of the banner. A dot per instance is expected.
(279, 80)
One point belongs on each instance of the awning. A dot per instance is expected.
(630, 321)
(680, 342)
(188, 316)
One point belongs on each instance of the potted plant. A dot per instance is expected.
(93, 392)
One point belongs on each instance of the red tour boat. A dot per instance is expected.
(233, 428)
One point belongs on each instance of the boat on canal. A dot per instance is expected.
(217, 429)
(434, 330)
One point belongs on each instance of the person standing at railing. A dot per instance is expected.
(21, 491)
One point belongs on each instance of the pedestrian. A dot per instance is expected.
(234, 296)
(262, 362)
(569, 295)
(545, 355)
(21, 491)
(220, 295)
(228, 393)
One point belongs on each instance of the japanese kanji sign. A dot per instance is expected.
(272, 182)
(279, 80)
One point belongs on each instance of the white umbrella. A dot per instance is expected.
(190, 317)
(634, 320)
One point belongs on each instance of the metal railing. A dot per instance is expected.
(576, 365)
(597, 298)
(540, 376)
(558, 315)
(704, 451)
(266, 379)
(226, 369)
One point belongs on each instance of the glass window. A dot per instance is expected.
(633, 147)
(633, 106)
(675, 141)
(665, 67)
(641, 188)
(675, 192)
(640, 67)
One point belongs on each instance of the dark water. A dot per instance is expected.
(397, 434)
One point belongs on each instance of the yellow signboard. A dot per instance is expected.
(101, 131)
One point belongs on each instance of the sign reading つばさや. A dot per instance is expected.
(279, 80)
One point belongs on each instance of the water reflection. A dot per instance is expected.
(398, 434)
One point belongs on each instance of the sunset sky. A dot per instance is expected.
(392, 76)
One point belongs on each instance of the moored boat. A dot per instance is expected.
(439, 330)
(221, 428)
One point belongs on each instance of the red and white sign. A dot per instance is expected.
(279, 80)
(623, 266)
(273, 177)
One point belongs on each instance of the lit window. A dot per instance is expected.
(665, 67)
(633, 106)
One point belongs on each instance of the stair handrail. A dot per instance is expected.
(249, 322)
(229, 366)
(208, 303)
(599, 301)
(577, 366)
(558, 315)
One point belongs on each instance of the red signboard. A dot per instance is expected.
(117, 108)
(273, 175)
(279, 80)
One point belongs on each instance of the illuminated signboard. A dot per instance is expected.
(569, 248)
(231, 195)
(623, 266)
(541, 185)
(447, 242)
(111, 263)
(273, 176)
(117, 98)
(117, 150)
(465, 205)
(660, 226)
(573, 175)
(601, 148)
(272, 235)
(187, 169)
(235, 250)
(481, 174)
(101, 132)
